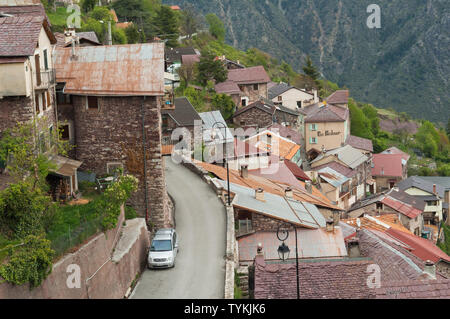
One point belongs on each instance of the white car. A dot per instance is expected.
(164, 249)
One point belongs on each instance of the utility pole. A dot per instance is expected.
(109, 33)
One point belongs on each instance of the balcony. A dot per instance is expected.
(44, 79)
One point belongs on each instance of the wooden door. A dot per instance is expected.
(37, 64)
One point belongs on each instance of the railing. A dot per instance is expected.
(45, 78)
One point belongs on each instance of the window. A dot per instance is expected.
(92, 102)
(299, 104)
(255, 87)
(45, 60)
(313, 140)
(379, 205)
(44, 101)
(65, 131)
(165, 121)
(63, 98)
(280, 98)
(313, 127)
(113, 167)
(244, 101)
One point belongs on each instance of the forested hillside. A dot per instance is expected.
(403, 65)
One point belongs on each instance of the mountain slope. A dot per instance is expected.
(404, 65)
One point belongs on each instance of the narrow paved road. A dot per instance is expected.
(201, 225)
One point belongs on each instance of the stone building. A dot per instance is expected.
(113, 98)
(264, 113)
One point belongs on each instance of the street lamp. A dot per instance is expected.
(283, 250)
(222, 125)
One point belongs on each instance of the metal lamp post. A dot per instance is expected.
(283, 250)
(222, 125)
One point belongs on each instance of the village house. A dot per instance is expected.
(353, 159)
(251, 83)
(362, 144)
(428, 192)
(408, 209)
(336, 187)
(117, 122)
(264, 113)
(292, 97)
(277, 145)
(339, 98)
(387, 170)
(444, 182)
(181, 115)
(326, 127)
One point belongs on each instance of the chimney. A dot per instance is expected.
(259, 194)
(308, 186)
(330, 225)
(353, 248)
(434, 189)
(430, 269)
(244, 171)
(259, 249)
(269, 139)
(382, 170)
(288, 192)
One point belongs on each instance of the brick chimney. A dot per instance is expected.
(259, 194)
(244, 171)
(259, 249)
(434, 189)
(288, 192)
(353, 248)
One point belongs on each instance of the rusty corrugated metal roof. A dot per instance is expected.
(113, 70)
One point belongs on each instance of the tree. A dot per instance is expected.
(216, 26)
(88, 5)
(210, 68)
(167, 25)
(359, 122)
(448, 128)
(133, 35)
(189, 21)
(224, 103)
(186, 73)
(311, 71)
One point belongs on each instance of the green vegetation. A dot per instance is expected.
(209, 68)
(216, 27)
(445, 246)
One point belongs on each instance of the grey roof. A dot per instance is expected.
(332, 177)
(406, 198)
(175, 54)
(443, 181)
(360, 143)
(347, 154)
(184, 113)
(209, 119)
(367, 201)
(422, 184)
(278, 207)
(90, 36)
(280, 88)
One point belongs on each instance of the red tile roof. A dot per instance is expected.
(387, 165)
(190, 58)
(19, 36)
(297, 171)
(327, 113)
(228, 87)
(360, 143)
(420, 247)
(318, 280)
(344, 170)
(252, 75)
(338, 97)
(403, 208)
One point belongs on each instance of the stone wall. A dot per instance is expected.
(103, 273)
(254, 95)
(13, 110)
(113, 134)
(253, 117)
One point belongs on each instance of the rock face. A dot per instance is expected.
(404, 64)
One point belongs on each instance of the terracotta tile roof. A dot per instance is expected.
(420, 247)
(252, 75)
(394, 150)
(270, 186)
(326, 113)
(228, 87)
(19, 36)
(401, 207)
(297, 171)
(175, 7)
(381, 223)
(338, 167)
(279, 146)
(286, 132)
(415, 289)
(389, 165)
(338, 97)
(190, 58)
(360, 143)
(116, 70)
(113, 13)
(336, 279)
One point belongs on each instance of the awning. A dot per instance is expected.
(65, 166)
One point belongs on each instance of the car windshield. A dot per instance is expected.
(161, 245)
